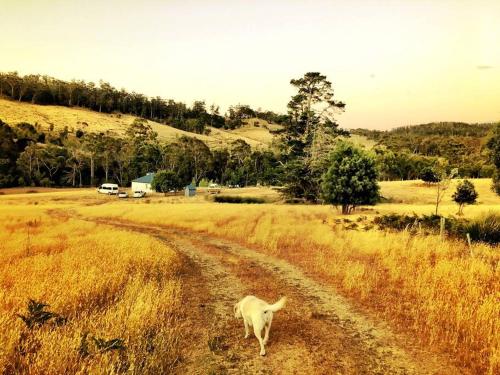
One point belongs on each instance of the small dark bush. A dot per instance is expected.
(495, 186)
(484, 229)
(99, 345)
(237, 199)
(429, 223)
(351, 226)
(429, 175)
(38, 316)
(296, 201)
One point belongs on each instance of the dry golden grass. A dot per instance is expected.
(362, 141)
(108, 283)
(13, 112)
(423, 285)
(260, 133)
(419, 193)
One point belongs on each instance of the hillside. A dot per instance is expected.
(462, 145)
(433, 139)
(13, 112)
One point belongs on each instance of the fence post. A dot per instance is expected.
(470, 244)
(441, 228)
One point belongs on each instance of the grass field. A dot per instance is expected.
(421, 285)
(108, 284)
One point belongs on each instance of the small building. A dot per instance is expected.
(143, 183)
(190, 190)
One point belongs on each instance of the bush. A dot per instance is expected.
(351, 178)
(45, 182)
(484, 229)
(431, 223)
(429, 175)
(237, 199)
(496, 184)
(465, 194)
(165, 181)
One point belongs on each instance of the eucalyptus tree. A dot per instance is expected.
(309, 134)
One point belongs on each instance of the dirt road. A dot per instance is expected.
(318, 332)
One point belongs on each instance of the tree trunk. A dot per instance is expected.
(91, 170)
(345, 209)
(106, 168)
(437, 197)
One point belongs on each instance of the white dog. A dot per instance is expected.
(259, 314)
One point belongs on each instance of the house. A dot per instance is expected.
(143, 183)
(190, 190)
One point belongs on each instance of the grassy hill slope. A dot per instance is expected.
(13, 112)
(256, 132)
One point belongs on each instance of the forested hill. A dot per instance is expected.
(104, 98)
(444, 129)
(462, 144)
(256, 132)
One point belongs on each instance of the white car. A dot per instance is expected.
(213, 189)
(108, 189)
(139, 194)
(122, 194)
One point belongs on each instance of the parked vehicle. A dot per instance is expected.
(110, 189)
(122, 194)
(139, 194)
(213, 189)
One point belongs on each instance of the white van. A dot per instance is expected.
(108, 189)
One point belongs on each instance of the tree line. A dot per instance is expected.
(31, 156)
(462, 145)
(103, 97)
(312, 162)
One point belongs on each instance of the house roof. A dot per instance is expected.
(147, 179)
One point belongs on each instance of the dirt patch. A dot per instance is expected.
(317, 332)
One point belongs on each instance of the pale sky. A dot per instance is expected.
(392, 62)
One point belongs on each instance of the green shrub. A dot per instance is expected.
(484, 229)
(37, 316)
(495, 186)
(401, 222)
(465, 194)
(429, 175)
(237, 199)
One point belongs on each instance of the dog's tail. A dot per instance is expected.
(277, 306)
